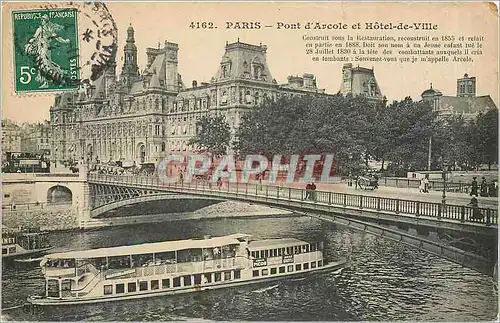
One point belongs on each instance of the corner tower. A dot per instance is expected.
(466, 87)
(360, 81)
(130, 69)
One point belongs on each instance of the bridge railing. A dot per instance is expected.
(434, 185)
(462, 213)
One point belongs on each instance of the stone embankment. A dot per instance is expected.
(62, 217)
(227, 209)
(50, 218)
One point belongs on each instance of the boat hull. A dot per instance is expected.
(25, 253)
(76, 301)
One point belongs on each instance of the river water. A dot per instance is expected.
(385, 280)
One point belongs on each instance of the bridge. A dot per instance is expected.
(448, 230)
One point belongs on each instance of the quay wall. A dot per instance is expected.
(49, 218)
(62, 217)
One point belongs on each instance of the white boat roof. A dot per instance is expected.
(274, 243)
(147, 248)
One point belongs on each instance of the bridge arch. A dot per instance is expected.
(59, 194)
(160, 196)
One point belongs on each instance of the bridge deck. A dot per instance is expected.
(405, 209)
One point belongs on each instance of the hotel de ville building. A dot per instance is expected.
(145, 115)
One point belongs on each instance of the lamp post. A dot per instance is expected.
(444, 168)
(350, 170)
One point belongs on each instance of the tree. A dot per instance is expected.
(410, 125)
(486, 138)
(213, 135)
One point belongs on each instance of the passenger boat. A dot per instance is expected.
(23, 243)
(165, 268)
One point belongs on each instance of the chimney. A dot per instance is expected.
(195, 84)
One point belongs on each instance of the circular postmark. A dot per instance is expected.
(63, 45)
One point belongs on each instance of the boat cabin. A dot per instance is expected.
(277, 256)
(15, 242)
(67, 272)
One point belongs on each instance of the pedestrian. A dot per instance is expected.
(356, 182)
(375, 179)
(484, 187)
(219, 182)
(491, 189)
(426, 184)
(476, 212)
(181, 177)
(421, 188)
(308, 191)
(474, 187)
(209, 179)
(313, 191)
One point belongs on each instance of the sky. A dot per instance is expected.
(200, 50)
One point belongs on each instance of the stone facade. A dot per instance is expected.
(143, 116)
(11, 137)
(36, 137)
(465, 103)
(360, 81)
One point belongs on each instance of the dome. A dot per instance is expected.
(430, 92)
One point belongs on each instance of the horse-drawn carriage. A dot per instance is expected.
(367, 183)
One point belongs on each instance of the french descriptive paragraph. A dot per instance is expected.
(401, 49)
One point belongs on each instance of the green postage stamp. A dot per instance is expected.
(45, 49)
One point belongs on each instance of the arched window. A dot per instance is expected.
(223, 99)
(163, 146)
(248, 97)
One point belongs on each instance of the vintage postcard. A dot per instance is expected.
(249, 161)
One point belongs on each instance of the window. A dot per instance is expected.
(218, 277)
(208, 278)
(197, 279)
(4, 251)
(108, 289)
(306, 266)
(313, 264)
(266, 253)
(237, 274)
(280, 251)
(255, 273)
(6, 195)
(131, 287)
(265, 272)
(254, 254)
(155, 284)
(177, 281)
(282, 270)
(320, 263)
(290, 268)
(187, 280)
(143, 285)
(298, 267)
(273, 271)
(165, 283)
(120, 288)
(227, 275)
